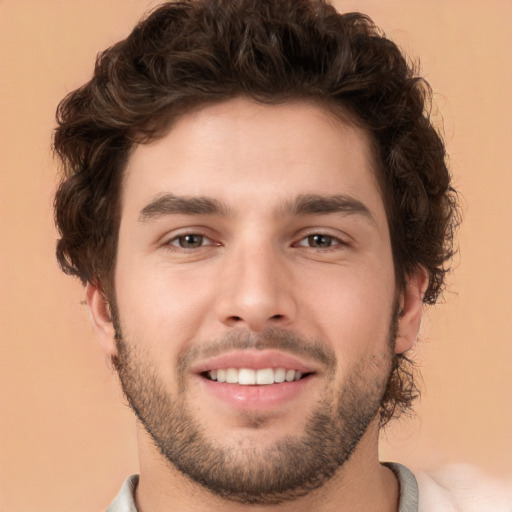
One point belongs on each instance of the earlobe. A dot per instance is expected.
(410, 310)
(100, 318)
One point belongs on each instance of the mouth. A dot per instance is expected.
(257, 380)
(255, 377)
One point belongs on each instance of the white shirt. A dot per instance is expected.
(457, 488)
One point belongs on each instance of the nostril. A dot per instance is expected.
(254, 321)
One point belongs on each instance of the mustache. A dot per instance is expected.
(272, 338)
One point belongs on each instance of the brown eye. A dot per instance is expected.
(191, 241)
(319, 241)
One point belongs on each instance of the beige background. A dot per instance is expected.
(66, 439)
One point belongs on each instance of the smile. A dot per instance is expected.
(256, 380)
(251, 377)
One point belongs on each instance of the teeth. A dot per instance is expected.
(290, 375)
(265, 376)
(231, 376)
(248, 376)
(279, 375)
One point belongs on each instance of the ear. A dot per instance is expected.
(411, 308)
(100, 317)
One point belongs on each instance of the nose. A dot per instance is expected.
(256, 290)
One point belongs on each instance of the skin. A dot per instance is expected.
(257, 269)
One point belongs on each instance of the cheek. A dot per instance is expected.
(164, 308)
(353, 310)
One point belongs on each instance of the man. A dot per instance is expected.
(258, 207)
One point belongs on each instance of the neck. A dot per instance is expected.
(362, 484)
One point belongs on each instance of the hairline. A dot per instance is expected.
(336, 111)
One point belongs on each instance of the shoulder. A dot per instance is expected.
(461, 487)
(125, 500)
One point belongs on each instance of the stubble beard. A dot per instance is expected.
(286, 470)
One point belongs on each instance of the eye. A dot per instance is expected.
(190, 241)
(319, 241)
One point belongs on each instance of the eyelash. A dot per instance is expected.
(177, 241)
(334, 241)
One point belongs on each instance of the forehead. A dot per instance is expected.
(240, 151)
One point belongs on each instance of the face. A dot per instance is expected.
(255, 309)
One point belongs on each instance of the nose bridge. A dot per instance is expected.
(255, 290)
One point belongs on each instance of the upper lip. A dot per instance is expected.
(255, 359)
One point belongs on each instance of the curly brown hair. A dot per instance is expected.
(193, 52)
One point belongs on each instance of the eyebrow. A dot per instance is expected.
(309, 204)
(312, 204)
(169, 204)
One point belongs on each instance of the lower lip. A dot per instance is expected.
(257, 397)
